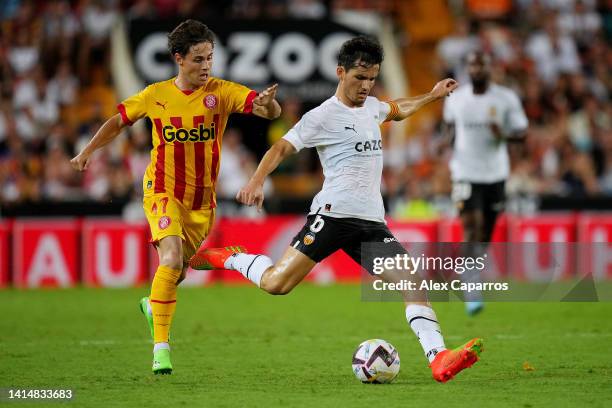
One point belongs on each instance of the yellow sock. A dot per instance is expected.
(163, 301)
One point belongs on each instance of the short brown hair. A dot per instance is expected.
(362, 50)
(189, 33)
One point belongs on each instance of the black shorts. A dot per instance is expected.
(488, 197)
(322, 235)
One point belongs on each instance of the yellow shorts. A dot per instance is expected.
(167, 216)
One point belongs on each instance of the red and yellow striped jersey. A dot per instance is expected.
(187, 132)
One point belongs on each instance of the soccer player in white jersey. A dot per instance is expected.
(349, 209)
(482, 117)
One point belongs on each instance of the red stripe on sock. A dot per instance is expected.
(165, 302)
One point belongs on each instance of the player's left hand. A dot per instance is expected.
(266, 97)
(444, 88)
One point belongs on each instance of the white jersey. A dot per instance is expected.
(478, 156)
(349, 145)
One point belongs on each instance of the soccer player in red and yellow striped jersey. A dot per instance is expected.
(188, 113)
(187, 131)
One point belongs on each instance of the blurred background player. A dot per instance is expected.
(481, 117)
(349, 210)
(189, 113)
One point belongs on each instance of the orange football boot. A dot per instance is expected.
(449, 363)
(213, 258)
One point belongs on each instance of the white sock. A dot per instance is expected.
(471, 276)
(423, 322)
(250, 266)
(160, 346)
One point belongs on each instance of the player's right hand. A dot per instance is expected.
(444, 88)
(251, 194)
(80, 162)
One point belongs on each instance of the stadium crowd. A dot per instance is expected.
(556, 55)
(56, 90)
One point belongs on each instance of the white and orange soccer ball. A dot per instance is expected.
(376, 361)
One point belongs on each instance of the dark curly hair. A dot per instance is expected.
(360, 51)
(188, 33)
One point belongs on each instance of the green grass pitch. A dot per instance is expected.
(239, 347)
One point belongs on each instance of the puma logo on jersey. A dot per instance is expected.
(163, 105)
(351, 128)
(368, 145)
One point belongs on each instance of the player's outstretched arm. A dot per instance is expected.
(252, 192)
(107, 132)
(408, 106)
(264, 104)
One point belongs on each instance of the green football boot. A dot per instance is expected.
(161, 362)
(144, 303)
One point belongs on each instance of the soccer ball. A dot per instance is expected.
(376, 361)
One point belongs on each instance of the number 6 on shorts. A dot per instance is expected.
(318, 224)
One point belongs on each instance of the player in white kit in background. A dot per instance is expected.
(349, 209)
(482, 117)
